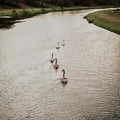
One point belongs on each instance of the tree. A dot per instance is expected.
(116, 3)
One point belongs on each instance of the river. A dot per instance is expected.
(31, 89)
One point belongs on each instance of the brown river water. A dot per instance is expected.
(31, 89)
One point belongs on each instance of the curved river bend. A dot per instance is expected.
(30, 89)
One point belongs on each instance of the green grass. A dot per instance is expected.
(8, 12)
(19, 12)
(107, 19)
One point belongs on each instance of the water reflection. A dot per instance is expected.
(9, 22)
(6, 23)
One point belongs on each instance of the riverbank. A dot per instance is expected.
(108, 19)
(11, 15)
(34, 11)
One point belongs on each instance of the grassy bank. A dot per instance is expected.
(9, 16)
(107, 19)
(34, 11)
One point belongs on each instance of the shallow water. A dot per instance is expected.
(30, 88)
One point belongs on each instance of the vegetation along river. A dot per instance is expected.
(31, 89)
